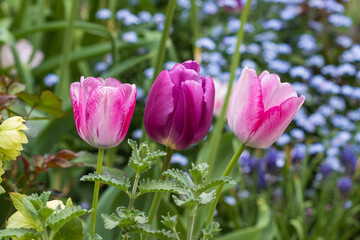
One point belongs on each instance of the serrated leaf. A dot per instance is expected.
(148, 230)
(23, 206)
(122, 183)
(180, 177)
(153, 185)
(17, 220)
(169, 221)
(188, 202)
(58, 219)
(211, 230)
(214, 182)
(20, 233)
(94, 237)
(44, 213)
(206, 198)
(141, 157)
(71, 230)
(124, 218)
(199, 172)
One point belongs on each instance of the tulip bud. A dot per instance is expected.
(261, 108)
(102, 110)
(179, 107)
(11, 138)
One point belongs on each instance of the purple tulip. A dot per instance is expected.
(179, 107)
(102, 110)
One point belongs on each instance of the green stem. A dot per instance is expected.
(133, 193)
(195, 24)
(62, 89)
(216, 136)
(96, 192)
(227, 171)
(191, 223)
(162, 46)
(156, 200)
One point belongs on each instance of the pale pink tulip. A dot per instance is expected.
(102, 110)
(261, 108)
(220, 94)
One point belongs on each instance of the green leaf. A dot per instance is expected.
(45, 213)
(299, 227)
(2, 190)
(148, 230)
(141, 156)
(47, 102)
(124, 218)
(94, 237)
(169, 221)
(58, 219)
(212, 229)
(71, 230)
(199, 172)
(214, 182)
(153, 185)
(16, 88)
(122, 183)
(180, 177)
(263, 230)
(206, 198)
(19, 233)
(23, 207)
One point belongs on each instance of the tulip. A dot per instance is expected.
(12, 138)
(261, 108)
(102, 110)
(220, 94)
(179, 107)
(231, 5)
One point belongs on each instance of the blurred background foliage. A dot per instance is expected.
(304, 187)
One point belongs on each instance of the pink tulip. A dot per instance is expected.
(220, 94)
(179, 107)
(102, 110)
(261, 108)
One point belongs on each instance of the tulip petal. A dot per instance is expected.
(129, 92)
(190, 64)
(112, 82)
(246, 107)
(274, 123)
(159, 107)
(207, 109)
(76, 96)
(283, 92)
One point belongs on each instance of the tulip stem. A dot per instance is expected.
(162, 46)
(227, 172)
(216, 136)
(96, 192)
(157, 197)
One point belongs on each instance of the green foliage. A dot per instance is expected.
(38, 218)
(141, 156)
(124, 218)
(169, 221)
(148, 230)
(121, 183)
(211, 230)
(20, 233)
(154, 185)
(94, 237)
(58, 219)
(195, 186)
(47, 102)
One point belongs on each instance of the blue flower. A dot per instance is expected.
(103, 14)
(145, 16)
(290, 12)
(344, 185)
(149, 73)
(274, 24)
(325, 169)
(298, 134)
(316, 61)
(337, 103)
(280, 66)
(349, 159)
(210, 8)
(298, 153)
(206, 43)
(248, 63)
(339, 20)
(137, 134)
(307, 43)
(346, 69)
(344, 41)
(130, 37)
(51, 79)
(184, 4)
(101, 67)
(230, 200)
(316, 148)
(178, 158)
(283, 139)
(300, 71)
(342, 122)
